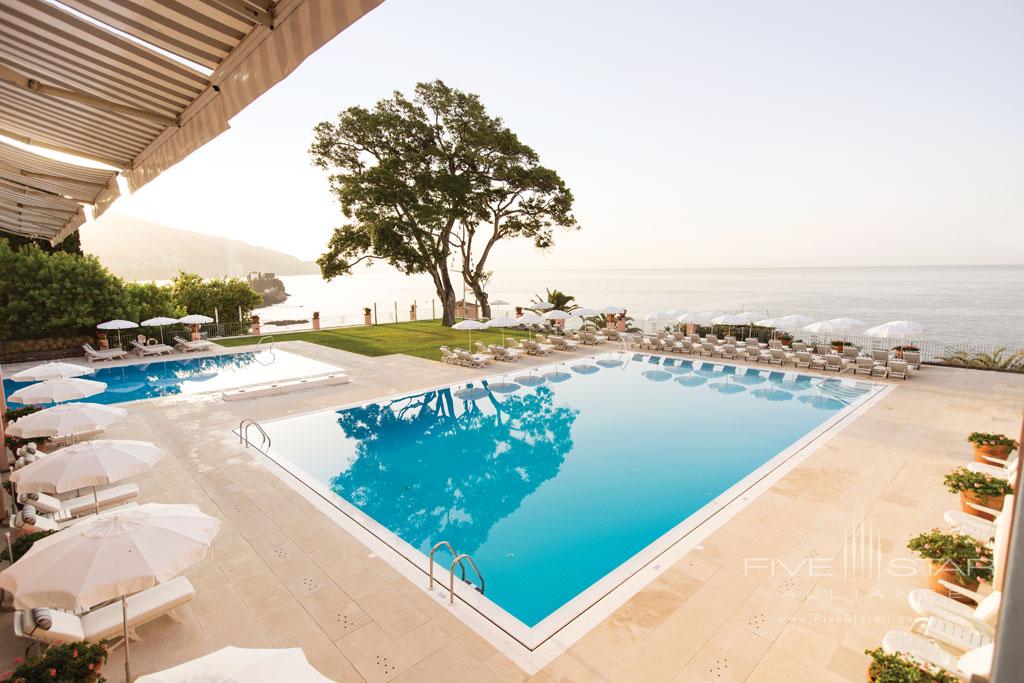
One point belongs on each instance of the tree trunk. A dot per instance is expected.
(482, 299)
(446, 293)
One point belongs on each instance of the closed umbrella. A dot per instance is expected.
(90, 463)
(56, 370)
(117, 325)
(58, 391)
(160, 322)
(66, 420)
(110, 557)
(469, 325)
(241, 665)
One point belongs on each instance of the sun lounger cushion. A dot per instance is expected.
(108, 496)
(32, 619)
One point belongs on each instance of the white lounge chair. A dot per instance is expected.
(728, 351)
(1006, 469)
(899, 369)
(448, 356)
(151, 349)
(975, 662)
(55, 627)
(504, 353)
(778, 357)
(835, 362)
(959, 634)
(535, 349)
(92, 355)
(472, 360)
(30, 521)
(184, 345)
(82, 505)
(983, 616)
(913, 359)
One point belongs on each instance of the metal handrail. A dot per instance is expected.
(451, 576)
(265, 338)
(430, 579)
(243, 433)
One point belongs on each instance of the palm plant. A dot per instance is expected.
(1000, 359)
(560, 300)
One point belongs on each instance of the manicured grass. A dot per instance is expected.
(419, 338)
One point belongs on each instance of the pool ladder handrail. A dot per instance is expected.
(243, 433)
(256, 351)
(265, 338)
(451, 570)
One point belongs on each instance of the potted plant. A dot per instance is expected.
(961, 560)
(900, 668)
(991, 446)
(838, 345)
(978, 488)
(367, 316)
(786, 339)
(79, 662)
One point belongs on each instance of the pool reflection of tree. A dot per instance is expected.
(430, 467)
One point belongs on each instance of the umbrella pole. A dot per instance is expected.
(124, 617)
(10, 548)
(96, 500)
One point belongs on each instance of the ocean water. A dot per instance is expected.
(981, 305)
(553, 477)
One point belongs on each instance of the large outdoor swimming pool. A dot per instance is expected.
(554, 478)
(183, 376)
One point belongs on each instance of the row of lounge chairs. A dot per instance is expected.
(145, 348)
(41, 512)
(954, 634)
(514, 349)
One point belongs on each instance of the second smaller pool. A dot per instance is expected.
(183, 376)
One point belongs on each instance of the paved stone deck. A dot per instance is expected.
(281, 573)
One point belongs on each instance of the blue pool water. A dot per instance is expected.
(184, 376)
(554, 477)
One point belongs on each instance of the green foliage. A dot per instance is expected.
(559, 299)
(417, 177)
(964, 554)
(72, 244)
(963, 479)
(45, 295)
(224, 295)
(900, 668)
(144, 300)
(69, 662)
(16, 442)
(986, 439)
(21, 544)
(1000, 359)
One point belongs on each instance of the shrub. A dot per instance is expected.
(70, 662)
(899, 668)
(963, 479)
(971, 560)
(21, 544)
(985, 439)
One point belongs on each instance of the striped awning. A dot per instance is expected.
(135, 85)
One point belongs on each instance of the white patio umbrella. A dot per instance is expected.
(90, 463)
(557, 315)
(160, 321)
(469, 325)
(502, 323)
(58, 391)
(613, 310)
(110, 556)
(241, 665)
(530, 319)
(66, 420)
(848, 324)
(793, 321)
(56, 370)
(117, 325)
(895, 329)
(542, 306)
(195, 319)
(585, 311)
(729, 319)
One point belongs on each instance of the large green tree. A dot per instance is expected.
(419, 179)
(220, 297)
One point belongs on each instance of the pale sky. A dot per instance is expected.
(693, 134)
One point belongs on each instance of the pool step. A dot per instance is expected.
(286, 386)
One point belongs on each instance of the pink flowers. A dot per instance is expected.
(53, 673)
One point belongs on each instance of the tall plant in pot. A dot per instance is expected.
(960, 560)
(979, 489)
(991, 446)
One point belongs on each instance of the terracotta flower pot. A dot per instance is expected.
(945, 572)
(994, 502)
(981, 450)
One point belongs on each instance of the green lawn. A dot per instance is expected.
(419, 338)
